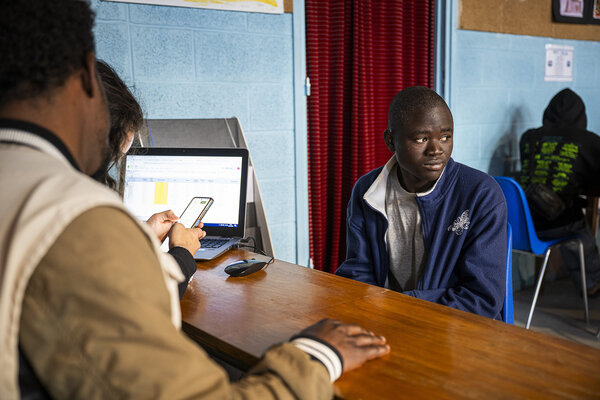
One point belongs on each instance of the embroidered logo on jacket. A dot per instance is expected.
(460, 224)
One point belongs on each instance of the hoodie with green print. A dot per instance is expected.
(566, 156)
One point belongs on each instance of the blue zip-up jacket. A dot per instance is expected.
(464, 232)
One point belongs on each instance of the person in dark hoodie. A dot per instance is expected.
(564, 156)
(423, 224)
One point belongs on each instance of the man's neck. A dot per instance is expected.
(420, 191)
(27, 131)
(49, 114)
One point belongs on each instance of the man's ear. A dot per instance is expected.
(88, 75)
(389, 140)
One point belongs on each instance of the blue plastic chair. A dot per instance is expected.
(508, 314)
(525, 239)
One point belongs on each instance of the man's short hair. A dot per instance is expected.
(41, 44)
(409, 100)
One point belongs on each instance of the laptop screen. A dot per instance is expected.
(158, 179)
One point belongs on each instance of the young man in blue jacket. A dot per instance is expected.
(423, 224)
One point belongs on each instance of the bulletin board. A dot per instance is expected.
(523, 17)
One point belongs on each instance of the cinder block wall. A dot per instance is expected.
(497, 91)
(197, 63)
(200, 63)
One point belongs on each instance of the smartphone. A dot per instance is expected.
(195, 211)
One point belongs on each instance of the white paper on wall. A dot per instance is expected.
(559, 63)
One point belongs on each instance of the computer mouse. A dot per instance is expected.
(244, 267)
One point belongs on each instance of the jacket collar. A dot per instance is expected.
(375, 195)
(31, 135)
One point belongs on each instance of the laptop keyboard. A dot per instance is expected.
(213, 243)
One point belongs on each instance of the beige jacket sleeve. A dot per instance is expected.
(96, 325)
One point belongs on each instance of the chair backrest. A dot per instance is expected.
(507, 309)
(519, 217)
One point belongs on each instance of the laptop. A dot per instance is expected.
(158, 179)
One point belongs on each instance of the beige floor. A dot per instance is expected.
(559, 312)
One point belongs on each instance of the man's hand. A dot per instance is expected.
(355, 343)
(188, 238)
(161, 223)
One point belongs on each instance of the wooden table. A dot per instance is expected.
(437, 352)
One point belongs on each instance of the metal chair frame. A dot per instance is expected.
(508, 314)
(527, 241)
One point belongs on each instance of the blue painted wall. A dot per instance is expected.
(497, 91)
(199, 63)
(195, 63)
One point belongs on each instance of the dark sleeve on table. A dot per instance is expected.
(186, 262)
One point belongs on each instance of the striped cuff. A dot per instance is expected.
(322, 353)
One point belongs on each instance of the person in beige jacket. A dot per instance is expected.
(88, 302)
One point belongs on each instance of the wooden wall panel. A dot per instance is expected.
(523, 17)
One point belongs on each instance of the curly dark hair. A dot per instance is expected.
(41, 44)
(410, 99)
(126, 115)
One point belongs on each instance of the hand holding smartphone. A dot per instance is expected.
(195, 211)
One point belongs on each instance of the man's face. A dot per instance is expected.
(423, 146)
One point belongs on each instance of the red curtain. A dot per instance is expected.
(360, 53)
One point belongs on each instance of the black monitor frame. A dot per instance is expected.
(216, 152)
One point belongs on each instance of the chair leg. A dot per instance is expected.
(537, 288)
(583, 283)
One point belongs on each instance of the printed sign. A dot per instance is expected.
(263, 6)
(559, 63)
